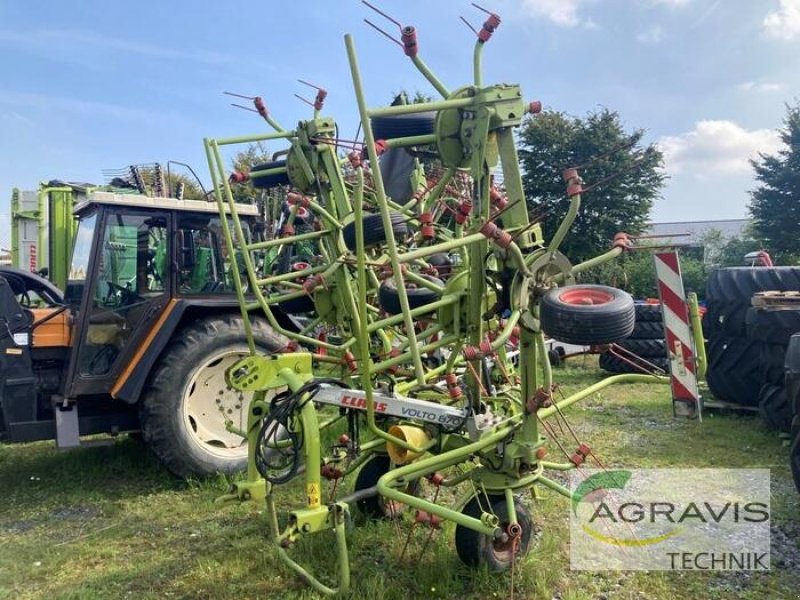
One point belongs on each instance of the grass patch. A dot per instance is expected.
(110, 522)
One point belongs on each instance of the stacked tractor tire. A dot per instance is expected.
(747, 344)
(644, 348)
(793, 395)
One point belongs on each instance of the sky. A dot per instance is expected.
(90, 85)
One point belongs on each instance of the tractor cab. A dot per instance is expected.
(141, 268)
(133, 255)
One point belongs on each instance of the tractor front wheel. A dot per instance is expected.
(190, 418)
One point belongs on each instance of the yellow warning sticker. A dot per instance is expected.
(312, 491)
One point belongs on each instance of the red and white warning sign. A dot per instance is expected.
(680, 343)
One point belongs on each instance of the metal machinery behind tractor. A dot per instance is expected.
(139, 339)
(420, 366)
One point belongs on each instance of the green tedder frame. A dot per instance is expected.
(471, 416)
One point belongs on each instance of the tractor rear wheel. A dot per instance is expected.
(187, 407)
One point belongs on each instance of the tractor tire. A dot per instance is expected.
(727, 318)
(794, 461)
(389, 299)
(397, 126)
(733, 370)
(645, 348)
(269, 181)
(792, 370)
(187, 404)
(774, 408)
(374, 233)
(614, 364)
(647, 330)
(648, 312)
(774, 326)
(478, 549)
(587, 314)
(771, 364)
(738, 284)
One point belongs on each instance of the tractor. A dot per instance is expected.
(138, 340)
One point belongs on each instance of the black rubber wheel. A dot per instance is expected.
(792, 370)
(647, 330)
(774, 408)
(304, 304)
(733, 369)
(613, 364)
(442, 263)
(587, 314)
(771, 363)
(775, 326)
(389, 299)
(378, 507)
(396, 126)
(726, 317)
(477, 549)
(269, 181)
(374, 233)
(187, 404)
(738, 284)
(645, 348)
(648, 312)
(794, 461)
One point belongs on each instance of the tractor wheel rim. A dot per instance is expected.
(210, 406)
(585, 297)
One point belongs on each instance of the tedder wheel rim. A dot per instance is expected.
(210, 406)
(585, 296)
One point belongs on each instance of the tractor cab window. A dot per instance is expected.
(130, 272)
(79, 266)
(204, 264)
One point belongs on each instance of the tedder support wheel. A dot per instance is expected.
(396, 126)
(389, 299)
(187, 406)
(587, 314)
(374, 233)
(269, 181)
(378, 507)
(477, 549)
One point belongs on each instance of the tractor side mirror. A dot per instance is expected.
(187, 252)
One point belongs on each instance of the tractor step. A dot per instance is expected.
(67, 429)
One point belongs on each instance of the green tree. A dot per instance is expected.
(628, 175)
(775, 203)
(244, 161)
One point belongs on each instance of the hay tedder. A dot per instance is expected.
(419, 354)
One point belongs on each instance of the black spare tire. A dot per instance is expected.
(587, 314)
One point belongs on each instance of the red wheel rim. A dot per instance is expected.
(585, 297)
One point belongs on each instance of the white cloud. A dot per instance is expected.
(652, 36)
(673, 3)
(561, 12)
(56, 40)
(88, 108)
(766, 87)
(716, 148)
(784, 23)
